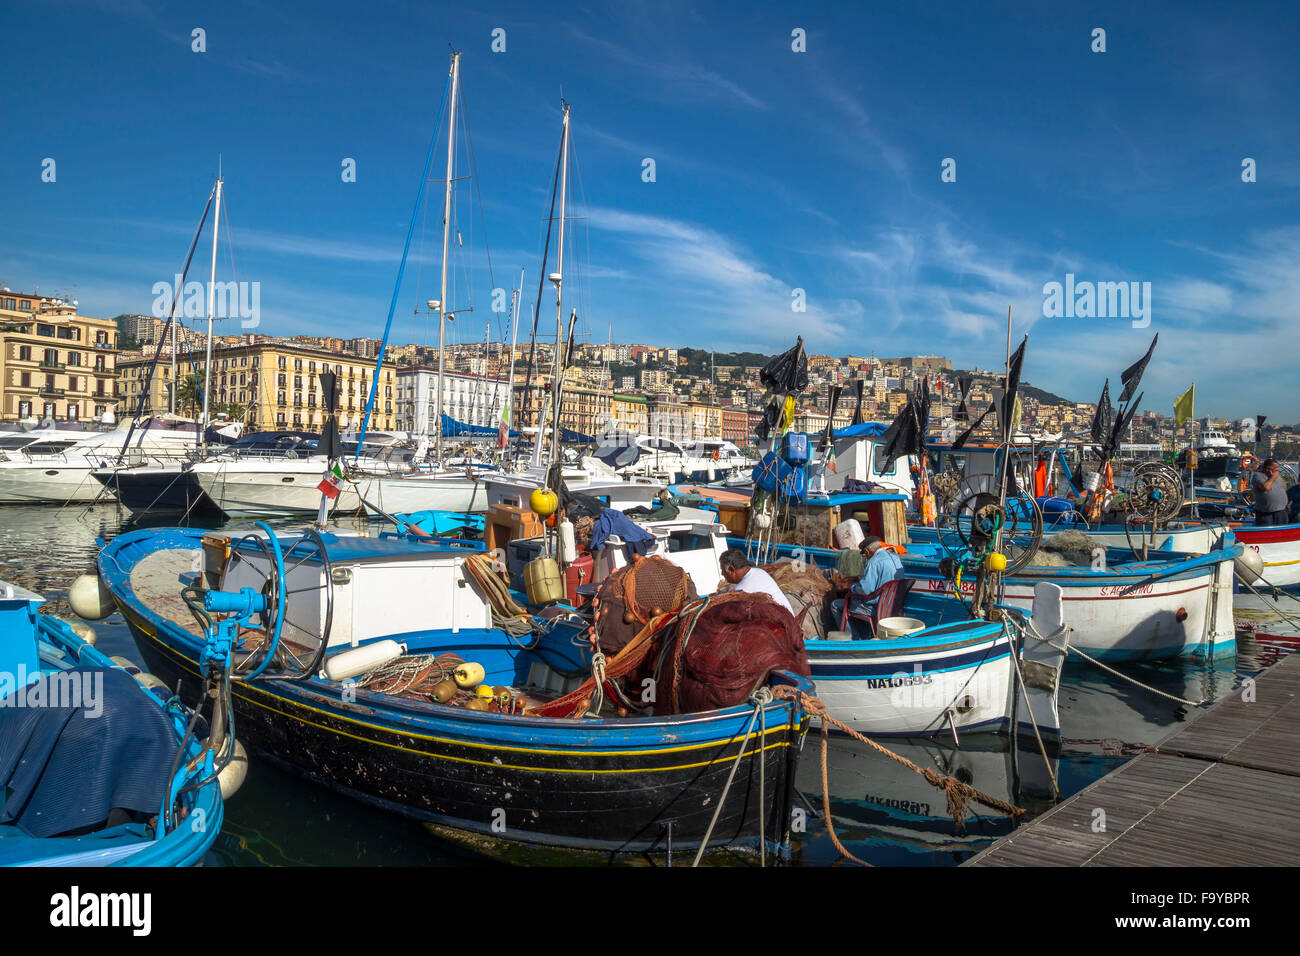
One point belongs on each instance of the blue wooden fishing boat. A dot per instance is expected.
(91, 768)
(361, 623)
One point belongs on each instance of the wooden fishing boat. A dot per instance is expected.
(951, 675)
(605, 783)
(70, 712)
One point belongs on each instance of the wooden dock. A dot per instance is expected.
(1222, 791)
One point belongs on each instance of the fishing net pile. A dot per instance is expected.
(722, 648)
(413, 675)
(712, 652)
(631, 596)
(806, 588)
(1066, 549)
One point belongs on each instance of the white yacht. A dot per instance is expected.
(57, 469)
(649, 456)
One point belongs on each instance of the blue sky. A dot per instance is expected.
(775, 171)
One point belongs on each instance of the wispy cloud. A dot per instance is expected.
(675, 72)
(699, 268)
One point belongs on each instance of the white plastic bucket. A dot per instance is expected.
(892, 627)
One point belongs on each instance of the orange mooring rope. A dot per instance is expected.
(960, 795)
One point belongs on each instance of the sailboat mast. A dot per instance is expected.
(446, 235)
(212, 298)
(558, 279)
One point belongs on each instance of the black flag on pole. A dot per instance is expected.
(329, 441)
(1132, 376)
(1103, 417)
(1008, 405)
(965, 436)
(857, 413)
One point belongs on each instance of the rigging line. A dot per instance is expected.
(230, 245)
(176, 297)
(541, 284)
(401, 269)
(586, 233)
(473, 171)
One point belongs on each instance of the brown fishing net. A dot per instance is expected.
(721, 648)
(804, 586)
(631, 596)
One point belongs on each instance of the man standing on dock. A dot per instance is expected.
(1270, 494)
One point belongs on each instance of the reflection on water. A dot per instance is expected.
(883, 812)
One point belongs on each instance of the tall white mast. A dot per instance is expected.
(446, 234)
(212, 297)
(557, 277)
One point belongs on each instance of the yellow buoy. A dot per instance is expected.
(468, 675)
(544, 502)
(996, 561)
(484, 690)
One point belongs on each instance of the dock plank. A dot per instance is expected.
(1222, 791)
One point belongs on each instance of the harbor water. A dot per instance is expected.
(882, 811)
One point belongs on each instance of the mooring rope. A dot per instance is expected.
(960, 795)
(1286, 617)
(759, 704)
(1071, 649)
(1033, 721)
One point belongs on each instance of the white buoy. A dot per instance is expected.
(90, 599)
(232, 776)
(568, 543)
(1248, 565)
(359, 660)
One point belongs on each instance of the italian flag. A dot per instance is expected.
(331, 484)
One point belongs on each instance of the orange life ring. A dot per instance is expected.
(1249, 462)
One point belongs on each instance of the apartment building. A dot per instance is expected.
(54, 363)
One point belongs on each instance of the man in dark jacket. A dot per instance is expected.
(1270, 494)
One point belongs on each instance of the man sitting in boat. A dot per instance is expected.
(1270, 494)
(742, 576)
(882, 565)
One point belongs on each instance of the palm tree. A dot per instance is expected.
(189, 395)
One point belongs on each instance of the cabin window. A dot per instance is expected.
(878, 459)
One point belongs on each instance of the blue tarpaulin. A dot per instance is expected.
(865, 430)
(67, 767)
(454, 429)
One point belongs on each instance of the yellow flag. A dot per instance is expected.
(1183, 407)
(1017, 412)
(787, 415)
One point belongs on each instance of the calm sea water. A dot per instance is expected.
(881, 811)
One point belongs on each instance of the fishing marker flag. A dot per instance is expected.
(1184, 407)
(332, 483)
(1006, 407)
(1132, 376)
